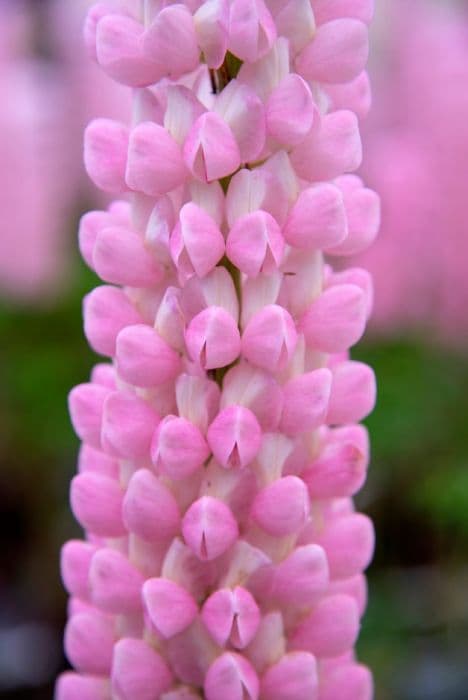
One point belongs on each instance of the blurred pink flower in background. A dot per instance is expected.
(417, 159)
(45, 105)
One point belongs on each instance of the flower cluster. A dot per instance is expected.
(221, 448)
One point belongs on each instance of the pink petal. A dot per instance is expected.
(210, 150)
(282, 507)
(330, 629)
(231, 615)
(89, 642)
(294, 677)
(235, 437)
(138, 671)
(336, 320)
(170, 607)
(338, 53)
(96, 502)
(114, 583)
(306, 401)
(212, 338)
(231, 677)
(255, 244)
(252, 30)
(105, 154)
(317, 219)
(155, 164)
(106, 311)
(128, 426)
(290, 110)
(209, 528)
(149, 509)
(143, 358)
(178, 447)
(113, 248)
(331, 149)
(270, 338)
(353, 393)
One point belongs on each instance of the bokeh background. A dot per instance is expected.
(415, 634)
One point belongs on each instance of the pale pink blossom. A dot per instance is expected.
(223, 556)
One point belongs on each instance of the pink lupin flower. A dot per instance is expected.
(221, 448)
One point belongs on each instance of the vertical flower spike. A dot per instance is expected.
(223, 558)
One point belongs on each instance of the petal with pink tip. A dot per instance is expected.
(197, 399)
(363, 216)
(210, 150)
(119, 52)
(330, 629)
(74, 686)
(339, 471)
(171, 41)
(196, 244)
(170, 607)
(347, 682)
(96, 502)
(231, 677)
(294, 677)
(75, 561)
(178, 447)
(212, 338)
(243, 112)
(113, 248)
(149, 509)
(338, 53)
(355, 586)
(290, 110)
(355, 95)
(89, 641)
(212, 30)
(353, 393)
(155, 164)
(349, 545)
(97, 462)
(143, 358)
(307, 569)
(138, 671)
(128, 425)
(330, 149)
(317, 219)
(306, 401)
(209, 528)
(231, 615)
(358, 276)
(255, 244)
(235, 437)
(250, 190)
(282, 507)
(86, 405)
(106, 311)
(105, 154)
(295, 20)
(336, 320)
(91, 224)
(252, 30)
(114, 583)
(270, 338)
(255, 389)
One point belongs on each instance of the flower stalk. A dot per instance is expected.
(221, 445)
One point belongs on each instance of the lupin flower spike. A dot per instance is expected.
(223, 558)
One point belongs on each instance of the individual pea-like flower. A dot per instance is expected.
(223, 557)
